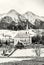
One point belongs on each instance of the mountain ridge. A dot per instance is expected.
(19, 19)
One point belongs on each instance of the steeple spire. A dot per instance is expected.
(27, 25)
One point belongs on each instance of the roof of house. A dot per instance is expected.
(22, 35)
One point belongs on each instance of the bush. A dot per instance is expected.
(19, 45)
(36, 39)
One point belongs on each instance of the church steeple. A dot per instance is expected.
(27, 25)
(27, 32)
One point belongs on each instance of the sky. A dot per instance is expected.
(22, 6)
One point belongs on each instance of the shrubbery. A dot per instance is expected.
(38, 39)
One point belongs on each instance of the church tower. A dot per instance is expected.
(27, 32)
(27, 25)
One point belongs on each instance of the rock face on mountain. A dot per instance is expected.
(14, 20)
(30, 17)
(14, 15)
(35, 20)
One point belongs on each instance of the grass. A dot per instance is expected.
(24, 62)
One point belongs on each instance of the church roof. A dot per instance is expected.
(22, 35)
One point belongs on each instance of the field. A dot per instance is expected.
(25, 62)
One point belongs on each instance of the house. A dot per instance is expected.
(24, 37)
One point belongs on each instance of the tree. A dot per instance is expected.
(20, 27)
(37, 50)
(19, 45)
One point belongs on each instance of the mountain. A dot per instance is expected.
(34, 19)
(15, 16)
(30, 17)
(13, 20)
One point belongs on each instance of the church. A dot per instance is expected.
(24, 36)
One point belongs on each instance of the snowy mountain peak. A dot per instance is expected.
(12, 11)
(30, 13)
